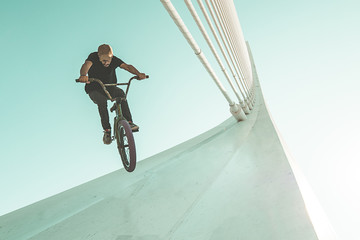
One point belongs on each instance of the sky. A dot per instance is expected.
(306, 54)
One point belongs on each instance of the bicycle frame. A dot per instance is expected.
(118, 99)
(113, 84)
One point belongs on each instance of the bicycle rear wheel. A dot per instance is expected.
(126, 145)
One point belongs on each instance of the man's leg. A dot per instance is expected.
(118, 92)
(101, 101)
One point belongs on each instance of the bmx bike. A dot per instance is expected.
(122, 130)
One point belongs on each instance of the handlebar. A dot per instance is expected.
(112, 84)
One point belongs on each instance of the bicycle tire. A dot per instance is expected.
(126, 145)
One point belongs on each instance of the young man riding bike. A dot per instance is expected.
(102, 65)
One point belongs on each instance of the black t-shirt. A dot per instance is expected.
(97, 70)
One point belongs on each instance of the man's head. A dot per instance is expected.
(105, 53)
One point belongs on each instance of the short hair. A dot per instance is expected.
(105, 49)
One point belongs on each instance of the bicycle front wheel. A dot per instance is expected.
(126, 145)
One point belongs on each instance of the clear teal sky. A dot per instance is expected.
(307, 57)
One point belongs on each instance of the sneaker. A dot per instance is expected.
(107, 137)
(133, 126)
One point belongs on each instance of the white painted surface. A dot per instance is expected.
(233, 182)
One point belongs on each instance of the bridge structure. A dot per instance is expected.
(235, 181)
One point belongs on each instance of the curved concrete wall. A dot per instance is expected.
(232, 182)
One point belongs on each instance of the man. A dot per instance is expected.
(102, 65)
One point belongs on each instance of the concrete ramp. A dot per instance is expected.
(232, 182)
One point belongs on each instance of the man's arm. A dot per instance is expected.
(133, 70)
(84, 70)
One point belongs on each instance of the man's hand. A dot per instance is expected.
(84, 79)
(141, 76)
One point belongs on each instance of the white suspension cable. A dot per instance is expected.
(229, 42)
(209, 42)
(220, 28)
(233, 28)
(232, 18)
(238, 34)
(236, 111)
(202, 7)
(226, 47)
(234, 44)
